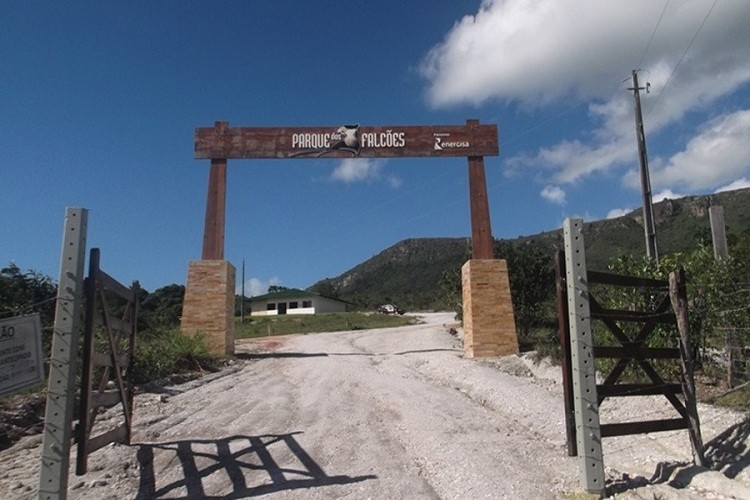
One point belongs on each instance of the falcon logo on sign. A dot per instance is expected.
(345, 138)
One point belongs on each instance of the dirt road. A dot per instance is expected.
(389, 413)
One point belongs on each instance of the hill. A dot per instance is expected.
(409, 272)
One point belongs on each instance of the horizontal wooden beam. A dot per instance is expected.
(636, 352)
(621, 280)
(110, 284)
(627, 428)
(117, 435)
(346, 141)
(622, 390)
(667, 318)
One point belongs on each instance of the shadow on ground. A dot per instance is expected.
(280, 355)
(727, 453)
(248, 461)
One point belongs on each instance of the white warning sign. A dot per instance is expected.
(20, 354)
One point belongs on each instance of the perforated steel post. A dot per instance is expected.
(58, 420)
(588, 432)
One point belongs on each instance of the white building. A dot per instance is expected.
(293, 301)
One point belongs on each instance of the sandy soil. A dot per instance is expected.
(390, 413)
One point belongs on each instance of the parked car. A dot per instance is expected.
(390, 309)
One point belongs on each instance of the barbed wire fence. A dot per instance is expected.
(728, 331)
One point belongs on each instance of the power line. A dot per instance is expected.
(674, 70)
(648, 46)
(543, 122)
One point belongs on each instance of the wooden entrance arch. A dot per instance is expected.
(482, 310)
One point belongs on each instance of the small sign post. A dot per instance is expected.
(20, 354)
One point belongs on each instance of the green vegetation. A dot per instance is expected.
(161, 309)
(739, 400)
(166, 352)
(407, 274)
(315, 323)
(26, 293)
(718, 305)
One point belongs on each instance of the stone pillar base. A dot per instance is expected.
(208, 307)
(489, 324)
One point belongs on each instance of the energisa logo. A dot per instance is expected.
(442, 143)
(345, 138)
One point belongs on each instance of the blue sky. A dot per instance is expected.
(99, 102)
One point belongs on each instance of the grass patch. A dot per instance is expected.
(544, 341)
(167, 352)
(739, 400)
(265, 326)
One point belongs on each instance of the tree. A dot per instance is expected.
(450, 283)
(27, 292)
(276, 288)
(161, 309)
(532, 284)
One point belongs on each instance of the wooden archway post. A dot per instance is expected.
(213, 233)
(482, 246)
(208, 307)
(489, 322)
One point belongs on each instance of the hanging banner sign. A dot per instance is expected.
(345, 141)
(21, 364)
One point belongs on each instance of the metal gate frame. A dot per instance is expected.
(99, 286)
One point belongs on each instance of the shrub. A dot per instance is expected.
(165, 352)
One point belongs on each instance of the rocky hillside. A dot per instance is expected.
(409, 272)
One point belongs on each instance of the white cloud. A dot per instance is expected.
(356, 170)
(718, 154)
(536, 52)
(574, 159)
(555, 194)
(539, 50)
(742, 183)
(395, 182)
(618, 212)
(362, 169)
(255, 286)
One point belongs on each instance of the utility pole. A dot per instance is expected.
(648, 208)
(242, 299)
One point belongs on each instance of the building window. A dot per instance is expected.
(307, 303)
(271, 306)
(292, 305)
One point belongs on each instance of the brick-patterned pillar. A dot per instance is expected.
(489, 324)
(208, 307)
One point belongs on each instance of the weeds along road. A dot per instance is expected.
(393, 413)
